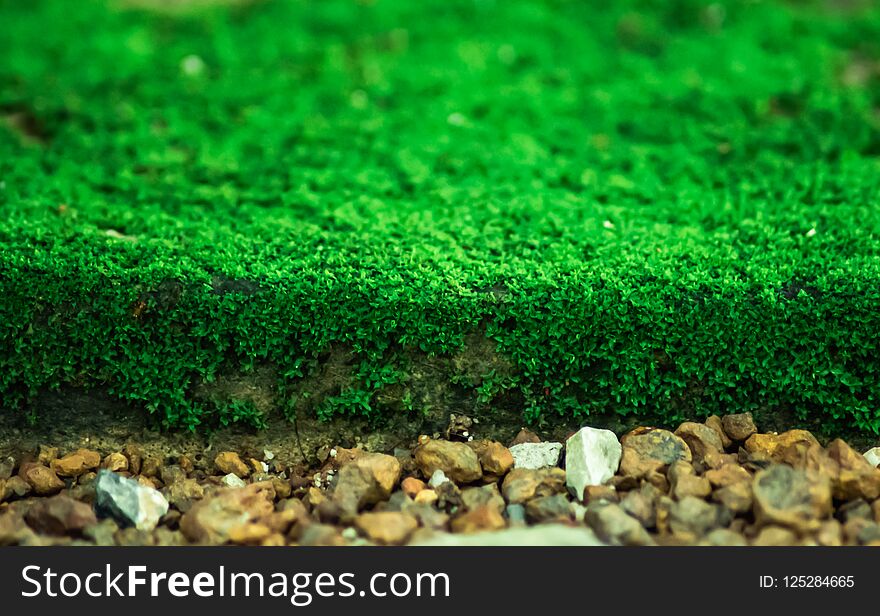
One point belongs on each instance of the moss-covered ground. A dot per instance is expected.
(575, 208)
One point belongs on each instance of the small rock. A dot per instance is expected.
(727, 475)
(521, 484)
(229, 462)
(873, 456)
(151, 467)
(650, 450)
(412, 486)
(135, 458)
(790, 447)
(428, 516)
(426, 497)
(367, 480)
(613, 525)
(77, 463)
(737, 497)
(47, 455)
(456, 460)
(18, 487)
(692, 518)
(182, 494)
(386, 527)
(857, 478)
(438, 478)
(536, 455)
(791, 497)
(701, 439)
(482, 518)
(172, 474)
(488, 495)
(525, 436)
(217, 518)
(60, 515)
(640, 505)
(684, 482)
(233, 481)
(592, 456)
(738, 426)
(495, 458)
(115, 462)
(553, 508)
(128, 502)
(41, 478)
(714, 422)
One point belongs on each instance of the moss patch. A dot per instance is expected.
(649, 209)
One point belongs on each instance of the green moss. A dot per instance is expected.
(659, 208)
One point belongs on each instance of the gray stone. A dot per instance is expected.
(128, 502)
(615, 526)
(533, 456)
(438, 478)
(592, 456)
(543, 535)
(233, 481)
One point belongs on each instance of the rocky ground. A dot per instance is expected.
(715, 483)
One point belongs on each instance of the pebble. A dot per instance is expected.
(495, 458)
(692, 518)
(18, 487)
(115, 462)
(791, 497)
(233, 481)
(614, 526)
(60, 515)
(553, 508)
(365, 481)
(412, 486)
(217, 519)
(647, 450)
(128, 502)
(714, 422)
(521, 484)
(457, 460)
(533, 456)
(700, 438)
(41, 478)
(386, 527)
(438, 478)
(230, 462)
(479, 519)
(592, 457)
(787, 448)
(738, 426)
(76, 463)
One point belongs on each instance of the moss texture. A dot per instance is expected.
(657, 208)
